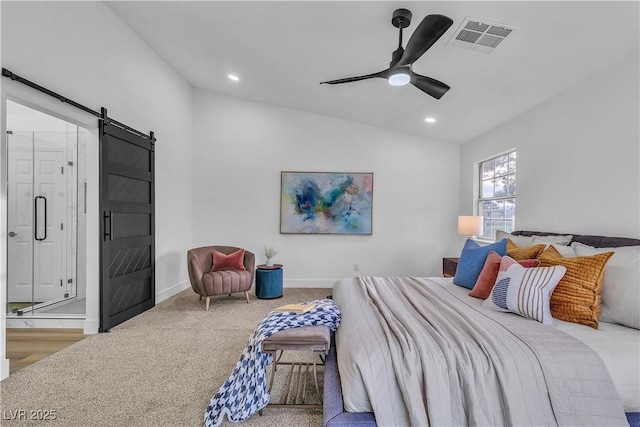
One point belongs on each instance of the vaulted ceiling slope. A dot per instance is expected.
(282, 50)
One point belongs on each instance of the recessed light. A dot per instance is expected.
(234, 77)
(430, 120)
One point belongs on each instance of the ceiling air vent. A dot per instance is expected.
(476, 35)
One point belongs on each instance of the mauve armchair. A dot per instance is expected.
(206, 282)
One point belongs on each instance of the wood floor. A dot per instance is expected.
(28, 345)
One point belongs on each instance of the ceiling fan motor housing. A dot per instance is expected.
(401, 18)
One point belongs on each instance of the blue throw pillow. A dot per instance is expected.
(472, 260)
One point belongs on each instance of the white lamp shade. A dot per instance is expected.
(470, 225)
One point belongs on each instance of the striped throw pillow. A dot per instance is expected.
(524, 291)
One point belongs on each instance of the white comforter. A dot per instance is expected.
(415, 354)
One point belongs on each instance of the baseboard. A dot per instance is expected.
(4, 369)
(171, 291)
(288, 283)
(91, 326)
(45, 323)
(309, 283)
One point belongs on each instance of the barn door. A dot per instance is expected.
(127, 285)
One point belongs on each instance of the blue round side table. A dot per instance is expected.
(269, 281)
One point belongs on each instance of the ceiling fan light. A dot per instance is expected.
(400, 78)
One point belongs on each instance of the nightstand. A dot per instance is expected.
(449, 266)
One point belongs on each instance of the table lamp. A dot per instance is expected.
(470, 225)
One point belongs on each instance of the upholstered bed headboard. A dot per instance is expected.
(585, 239)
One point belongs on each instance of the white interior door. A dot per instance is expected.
(20, 218)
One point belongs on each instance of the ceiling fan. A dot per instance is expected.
(399, 72)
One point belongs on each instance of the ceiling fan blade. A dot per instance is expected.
(429, 86)
(382, 74)
(428, 32)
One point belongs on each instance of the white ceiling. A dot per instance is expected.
(282, 50)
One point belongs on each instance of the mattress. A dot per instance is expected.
(619, 349)
(617, 346)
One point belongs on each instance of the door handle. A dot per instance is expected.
(12, 234)
(36, 218)
(107, 218)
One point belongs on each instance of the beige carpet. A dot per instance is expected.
(160, 368)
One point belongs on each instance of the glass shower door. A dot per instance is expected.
(40, 221)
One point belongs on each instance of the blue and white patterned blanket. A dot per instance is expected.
(245, 392)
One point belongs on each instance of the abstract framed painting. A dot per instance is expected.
(326, 203)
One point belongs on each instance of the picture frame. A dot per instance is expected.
(326, 202)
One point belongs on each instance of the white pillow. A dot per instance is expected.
(526, 241)
(565, 251)
(620, 284)
(524, 291)
(553, 240)
(520, 241)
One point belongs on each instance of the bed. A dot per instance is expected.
(587, 376)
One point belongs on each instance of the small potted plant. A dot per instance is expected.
(270, 252)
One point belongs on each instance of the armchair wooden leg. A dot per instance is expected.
(246, 295)
(206, 303)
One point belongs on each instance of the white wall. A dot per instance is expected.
(82, 50)
(578, 157)
(241, 147)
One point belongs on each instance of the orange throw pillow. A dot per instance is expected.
(518, 253)
(489, 273)
(577, 297)
(233, 261)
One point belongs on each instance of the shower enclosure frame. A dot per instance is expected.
(48, 165)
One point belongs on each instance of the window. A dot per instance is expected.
(497, 201)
